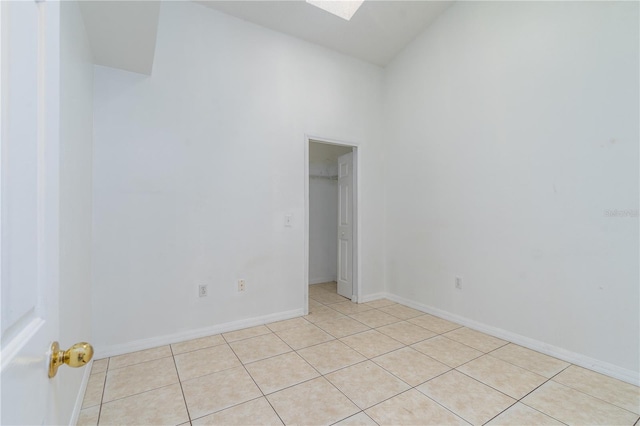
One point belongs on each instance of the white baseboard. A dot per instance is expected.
(168, 339)
(605, 368)
(80, 397)
(372, 297)
(322, 280)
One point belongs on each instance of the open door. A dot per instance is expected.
(345, 225)
(29, 219)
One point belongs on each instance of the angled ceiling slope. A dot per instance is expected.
(122, 33)
(377, 32)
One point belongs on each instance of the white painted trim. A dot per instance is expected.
(168, 339)
(357, 270)
(372, 297)
(357, 288)
(581, 360)
(314, 281)
(305, 280)
(80, 398)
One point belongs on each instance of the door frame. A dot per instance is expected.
(356, 215)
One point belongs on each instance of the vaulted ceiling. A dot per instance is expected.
(123, 33)
(378, 31)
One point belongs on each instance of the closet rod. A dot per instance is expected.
(323, 177)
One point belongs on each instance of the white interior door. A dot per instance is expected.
(29, 209)
(345, 225)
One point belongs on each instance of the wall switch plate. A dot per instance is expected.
(203, 291)
(288, 220)
(459, 283)
(241, 284)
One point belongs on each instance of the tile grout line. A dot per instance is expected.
(371, 359)
(416, 386)
(520, 400)
(138, 393)
(348, 417)
(142, 362)
(482, 353)
(104, 386)
(184, 398)
(256, 384)
(450, 369)
(334, 339)
(585, 393)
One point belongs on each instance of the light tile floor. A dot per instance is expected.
(352, 364)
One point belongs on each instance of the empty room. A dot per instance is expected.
(320, 212)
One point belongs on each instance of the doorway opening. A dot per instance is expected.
(331, 218)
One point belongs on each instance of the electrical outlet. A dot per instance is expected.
(241, 285)
(459, 283)
(203, 291)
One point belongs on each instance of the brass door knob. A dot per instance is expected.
(76, 356)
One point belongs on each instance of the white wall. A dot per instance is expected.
(196, 166)
(323, 223)
(512, 129)
(76, 137)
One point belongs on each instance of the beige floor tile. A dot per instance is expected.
(139, 378)
(536, 362)
(576, 408)
(322, 313)
(406, 332)
(330, 356)
(608, 389)
(473, 401)
(329, 298)
(379, 303)
(447, 351)
(245, 333)
(160, 406)
(257, 412)
(371, 343)
(313, 296)
(88, 416)
(348, 308)
(342, 327)
(261, 347)
(401, 311)
(507, 378)
(477, 340)
(287, 324)
(215, 392)
(302, 337)
(314, 304)
(331, 286)
(279, 372)
(315, 289)
(95, 388)
(205, 361)
(100, 365)
(360, 419)
(411, 366)
(315, 402)
(195, 344)
(520, 414)
(367, 384)
(375, 318)
(412, 408)
(435, 324)
(138, 357)
(319, 308)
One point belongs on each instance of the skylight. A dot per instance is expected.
(342, 8)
